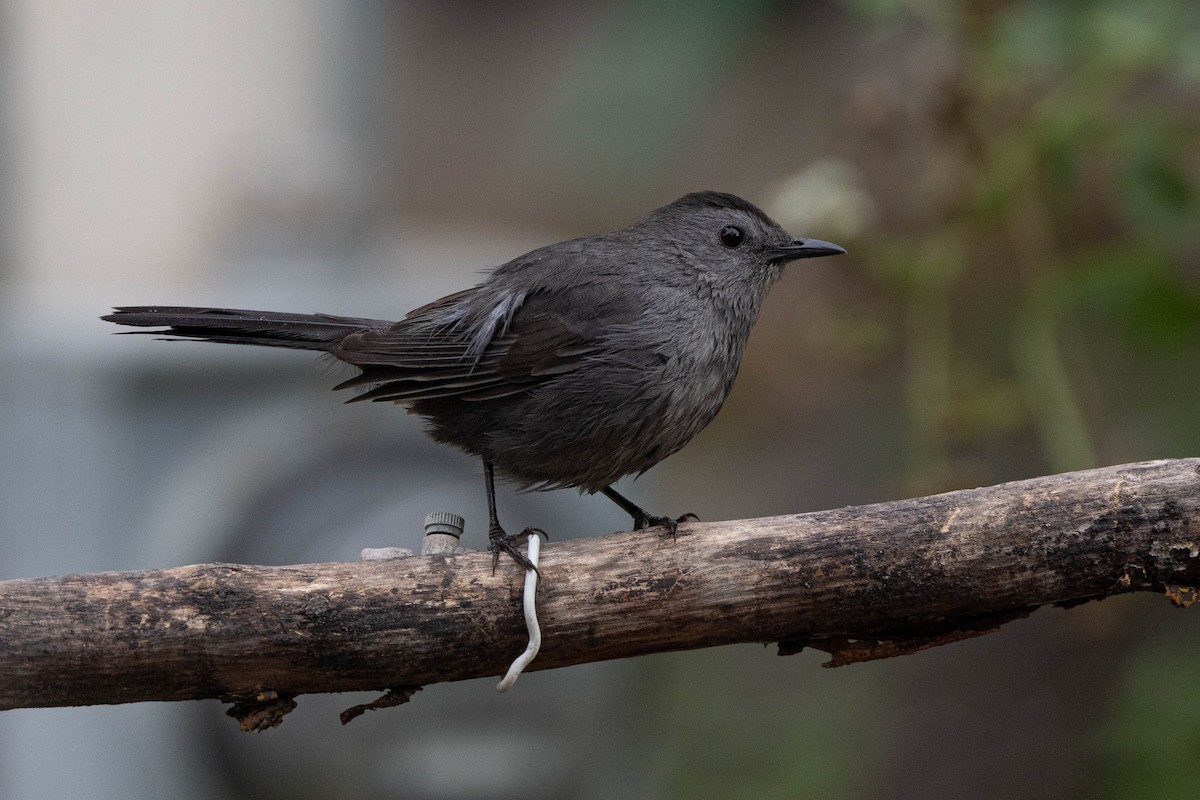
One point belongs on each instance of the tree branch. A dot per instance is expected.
(865, 582)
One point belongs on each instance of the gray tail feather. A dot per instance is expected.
(237, 326)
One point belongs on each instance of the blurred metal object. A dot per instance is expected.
(442, 532)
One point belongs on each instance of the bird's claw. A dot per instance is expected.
(671, 524)
(499, 541)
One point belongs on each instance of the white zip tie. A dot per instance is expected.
(531, 620)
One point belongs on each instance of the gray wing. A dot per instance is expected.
(480, 344)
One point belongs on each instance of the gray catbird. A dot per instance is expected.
(569, 366)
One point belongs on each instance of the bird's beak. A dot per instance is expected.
(804, 248)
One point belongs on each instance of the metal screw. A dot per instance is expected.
(442, 530)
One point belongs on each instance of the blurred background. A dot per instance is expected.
(1017, 183)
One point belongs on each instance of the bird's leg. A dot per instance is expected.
(498, 540)
(641, 519)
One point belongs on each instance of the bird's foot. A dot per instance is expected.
(501, 542)
(643, 521)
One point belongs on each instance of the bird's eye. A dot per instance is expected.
(732, 236)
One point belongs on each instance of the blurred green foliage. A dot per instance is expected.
(1050, 232)
(1047, 257)
(767, 745)
(1148, 748)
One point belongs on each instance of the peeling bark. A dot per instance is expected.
(864, 582)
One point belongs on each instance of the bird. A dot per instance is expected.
(570, 366)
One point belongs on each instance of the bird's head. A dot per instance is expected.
(729, 241)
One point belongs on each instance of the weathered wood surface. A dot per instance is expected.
(862, 582)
